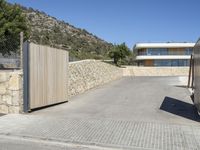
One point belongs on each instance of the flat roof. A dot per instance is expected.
(162, 45)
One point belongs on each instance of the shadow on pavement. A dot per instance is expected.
(180, 108)
(181, 86)
(2, 114)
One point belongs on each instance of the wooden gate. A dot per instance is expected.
(45, 76)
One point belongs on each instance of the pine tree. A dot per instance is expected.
(12, 22)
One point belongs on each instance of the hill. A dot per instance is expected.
(48, 30)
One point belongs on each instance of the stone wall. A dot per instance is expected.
(11, 96)
(83, 75)
(87, 74)
(155, 71)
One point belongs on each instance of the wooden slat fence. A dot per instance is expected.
(46, 79)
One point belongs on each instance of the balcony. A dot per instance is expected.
(164, 51)
(147, 57)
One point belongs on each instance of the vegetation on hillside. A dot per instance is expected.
(47, 30)
(12, 22)
(43, 29)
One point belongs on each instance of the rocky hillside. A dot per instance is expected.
(47, 30)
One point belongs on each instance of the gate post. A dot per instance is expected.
(26, 77)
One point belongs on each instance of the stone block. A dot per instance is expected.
(1, 100)
(4, 77)
(14, 82)
(4, 109)
(2, 88)
(15, 98)
(13, 109)
(7, 99)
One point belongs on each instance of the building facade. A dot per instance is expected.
(163, 54)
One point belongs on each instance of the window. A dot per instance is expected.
(162, 63)
(165, 51)
(188, 51)
(157, 51)
(142, 52)
(174, 62)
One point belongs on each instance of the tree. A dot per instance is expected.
(12, 22)
(119, 53)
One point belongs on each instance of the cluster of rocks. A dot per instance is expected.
(11, 93)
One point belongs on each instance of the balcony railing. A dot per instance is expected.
(168, 53)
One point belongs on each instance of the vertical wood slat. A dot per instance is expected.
(47, 75)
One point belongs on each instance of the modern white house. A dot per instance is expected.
(163, 54)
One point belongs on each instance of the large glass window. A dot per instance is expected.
(142, 52)
(157, 51)
(174, 62)
(162, 63)
(177, 51)
(188, 51)
(165, 51)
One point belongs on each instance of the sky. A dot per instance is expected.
(129, 21)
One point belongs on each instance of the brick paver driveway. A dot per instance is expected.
(131, 113)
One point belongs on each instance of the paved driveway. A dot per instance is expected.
(131, 113)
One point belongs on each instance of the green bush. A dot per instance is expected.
(119, 53)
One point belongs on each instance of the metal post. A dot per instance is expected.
(189, 76)
(21, 49)
(26, 76)
(192, 74)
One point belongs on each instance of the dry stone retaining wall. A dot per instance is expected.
(87, 74)
(83, 75)
(155, 71)
(11, 92)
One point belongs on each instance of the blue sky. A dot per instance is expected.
(129, 21)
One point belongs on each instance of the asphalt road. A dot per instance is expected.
(132, 98)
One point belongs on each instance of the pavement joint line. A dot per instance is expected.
(55, 142)
(103, 119)
(138, 144)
